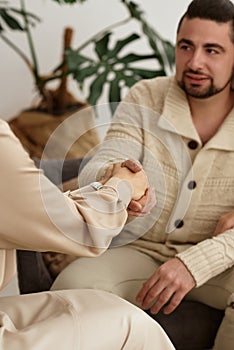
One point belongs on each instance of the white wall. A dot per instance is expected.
(16, 85)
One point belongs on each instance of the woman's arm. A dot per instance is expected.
(35, 215)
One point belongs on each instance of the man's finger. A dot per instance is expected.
(144, 205)
(137, 214)
(135, 206)
(150, 200)
(162, 300)
(174, 303)
(146, 287)
(133, 165)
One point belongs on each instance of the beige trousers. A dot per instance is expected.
(77, 320)
(123, 270)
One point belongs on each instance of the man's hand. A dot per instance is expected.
(226, 222)
(144, 205)
(167, 286)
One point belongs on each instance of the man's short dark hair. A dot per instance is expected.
(220, 11)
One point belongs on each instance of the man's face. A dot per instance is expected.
(204, 57)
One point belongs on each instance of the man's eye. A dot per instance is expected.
(212, 51)
(184, 47)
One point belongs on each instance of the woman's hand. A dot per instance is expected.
(143, 202)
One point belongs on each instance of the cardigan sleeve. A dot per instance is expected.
(124, 139)
(210, 257)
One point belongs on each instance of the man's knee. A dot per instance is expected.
(215, 292)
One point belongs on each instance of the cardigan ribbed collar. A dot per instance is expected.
(176, 117)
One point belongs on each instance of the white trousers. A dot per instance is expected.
(77, 320)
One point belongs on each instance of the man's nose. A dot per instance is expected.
(196, 61)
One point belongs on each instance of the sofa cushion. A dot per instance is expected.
(191, 326)
(33, 275)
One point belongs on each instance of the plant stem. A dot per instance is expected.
(26, 60)
(18, 51)
(93, 38)
(30, 43)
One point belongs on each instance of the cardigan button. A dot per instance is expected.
(192, 144)
(192, 185)
(179, 223)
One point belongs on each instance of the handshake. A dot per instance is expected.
(143, 197)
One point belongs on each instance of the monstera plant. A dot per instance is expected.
(105, 60)
(113, 64)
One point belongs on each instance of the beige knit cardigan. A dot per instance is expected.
(194, 183)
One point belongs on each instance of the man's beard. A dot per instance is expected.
(195, 90)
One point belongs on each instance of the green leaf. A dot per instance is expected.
(30, 16)
(122, 67)
(114, 91)
(10, 20)
(170, 53)
(134, 9)
(101, 46)
(114, 94)
(81, 74)
(163, 49)
(121, 43)
(132, 57)
(96, 88)
(155, 40)
(8, 16)
(69, 1)
(146, 73)
(130, 80)
(151, 36)
(75, 60)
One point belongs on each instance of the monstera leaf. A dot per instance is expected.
(13, 18)
(114, 70)
(110, 67)
(69, 1)
(162, 48)
(114, 64)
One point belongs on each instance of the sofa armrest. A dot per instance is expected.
(61, 170)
